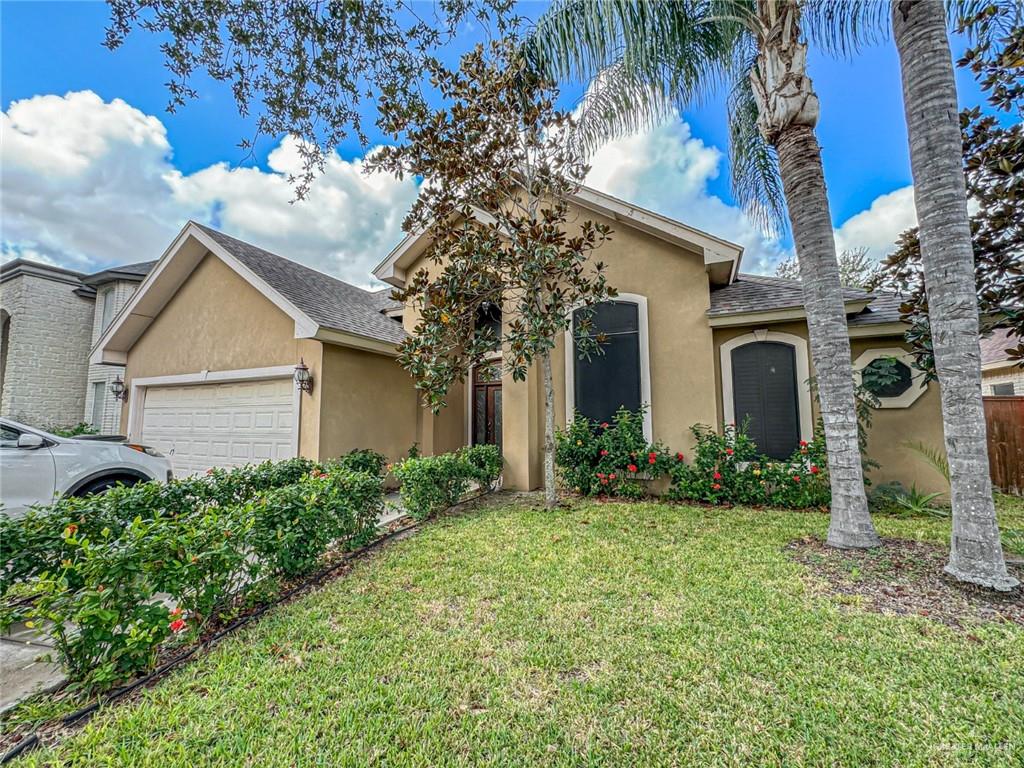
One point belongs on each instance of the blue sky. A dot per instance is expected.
(50, 49)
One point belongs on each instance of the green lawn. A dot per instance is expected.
(604, 634)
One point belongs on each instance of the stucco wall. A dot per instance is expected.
(368, 401)
(109, 421)
(47, 354)
(891, 427)
(218, 322)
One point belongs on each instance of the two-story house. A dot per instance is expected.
(51, 319)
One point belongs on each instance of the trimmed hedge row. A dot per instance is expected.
(93, 568)
(431, 484)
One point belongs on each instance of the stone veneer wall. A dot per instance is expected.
(48, 349)
(109, 421)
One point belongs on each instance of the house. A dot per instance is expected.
(999, 374)
(52, 318)
(212, 337)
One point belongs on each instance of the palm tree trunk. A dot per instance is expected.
(550, 494)
(787, 114)
(947, 257)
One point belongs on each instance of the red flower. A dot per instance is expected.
(600, 474)
(176, 611)
(631, 467)
(604, 425)
(715, 486)
(803, 443)
(177, 625)
(679, 456)
(796, 478)
(604, 481)
(728, 451)
(604, 451)
(814, 469)
(651, 459)
(209, 471)
(611, 476)
(652, 455)
(717, 476)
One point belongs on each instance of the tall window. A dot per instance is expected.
(99, 388)
(488, 320)
(107, 297)
(612, 377)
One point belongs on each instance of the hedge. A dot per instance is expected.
(93, 569)
(431, 484)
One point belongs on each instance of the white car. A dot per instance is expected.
(37, 467)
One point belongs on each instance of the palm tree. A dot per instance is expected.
(947, 255)
(947, 259)
(648, 59)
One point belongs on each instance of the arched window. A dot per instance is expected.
(618, 374)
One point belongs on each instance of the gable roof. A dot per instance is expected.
(322, 306)
(327, 301)
(721, 257)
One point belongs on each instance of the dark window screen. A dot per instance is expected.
(765, 396)
(610, 379)
(1003, 390)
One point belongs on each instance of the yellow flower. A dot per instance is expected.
(444, 318)
(30, 624)
(579, 442)
(757, 473)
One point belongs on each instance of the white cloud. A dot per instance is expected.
(88, 183)
(878, 227)
(668, 170)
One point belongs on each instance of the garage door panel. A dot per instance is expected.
(220, 425)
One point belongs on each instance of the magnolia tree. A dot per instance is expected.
(499, 167)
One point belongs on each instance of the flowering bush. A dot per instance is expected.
(485, 461)
(94, 566)
(727, 469)
(609, 458)
(363, 460)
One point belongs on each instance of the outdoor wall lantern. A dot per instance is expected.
(117, 389)
(303, 378)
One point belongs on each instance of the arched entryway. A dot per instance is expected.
(765, 385)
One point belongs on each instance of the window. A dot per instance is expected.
(488, 320)
(1003, 390)
(888, 374)
(99, 389)
(8, 436)
(617, 374)
(107, 308)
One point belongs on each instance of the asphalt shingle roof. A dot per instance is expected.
(993, 347)
(760, 293)
(326, 300)
(884, 308)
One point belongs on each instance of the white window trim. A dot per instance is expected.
(917, 385)
(803, 375)
(645, 364)
(137, 395)
(106, 304)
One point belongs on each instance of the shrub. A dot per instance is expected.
(93, 567)
(727, 469)
(431, 484)
(485, 461)
(609, 458)
(363, 460)
(81, 428)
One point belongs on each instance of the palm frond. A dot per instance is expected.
(843, 27)
(933, 457)
(756, 183)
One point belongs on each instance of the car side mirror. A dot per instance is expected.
(30, 441)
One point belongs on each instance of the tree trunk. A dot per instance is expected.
(947, 258)
(787, 114)
(550, 492)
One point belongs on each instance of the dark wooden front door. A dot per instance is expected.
(486, 407)
(764, 389)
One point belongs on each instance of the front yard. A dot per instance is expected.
(601, 634)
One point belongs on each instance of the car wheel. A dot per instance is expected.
(105, 484)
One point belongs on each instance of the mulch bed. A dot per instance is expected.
(905, 578)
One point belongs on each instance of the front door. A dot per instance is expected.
(764, 391)
(486, 406)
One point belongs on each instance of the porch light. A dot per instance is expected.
(117, 389)
(303, 378)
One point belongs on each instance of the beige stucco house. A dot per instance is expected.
(211, 339)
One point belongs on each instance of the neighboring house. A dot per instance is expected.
(1000, 375)
(212, 337)
(52, 318)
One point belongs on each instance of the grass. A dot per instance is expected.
(603, 634)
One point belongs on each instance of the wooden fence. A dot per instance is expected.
(1004, 419)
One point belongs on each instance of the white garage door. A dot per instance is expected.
(220, 425)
